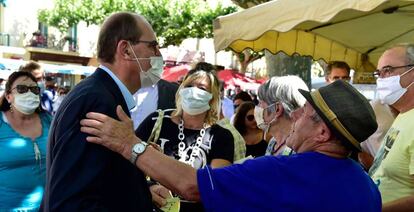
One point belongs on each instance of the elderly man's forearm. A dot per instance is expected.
(176, 176)
(403, 204)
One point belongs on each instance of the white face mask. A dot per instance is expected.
(194, 100)
(258, 116)
(152, 75)
(390, 90)
(261, 124)
(26, 103)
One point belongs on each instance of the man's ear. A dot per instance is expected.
(324, 133)
(123, 49)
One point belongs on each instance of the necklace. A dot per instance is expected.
(182, 153)
(278, 147)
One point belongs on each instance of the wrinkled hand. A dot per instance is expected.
(160, 194)
(115, 135)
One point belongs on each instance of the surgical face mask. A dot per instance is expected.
(194, 100)
(259, 116)
(152, 75)
(390, 90)
(26, 103)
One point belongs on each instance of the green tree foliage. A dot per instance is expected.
(248, 3)
(172, 20)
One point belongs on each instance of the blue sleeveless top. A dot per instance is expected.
(22, 176)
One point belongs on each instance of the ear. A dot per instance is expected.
(123, 49)
(279, 109)
(8, 98)
(323, 133)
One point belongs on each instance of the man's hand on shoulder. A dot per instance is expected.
(115, 135)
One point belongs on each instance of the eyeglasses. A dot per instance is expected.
(151, 43)
(387, 70)
(270, 109)
(250, 117)
(24, 89)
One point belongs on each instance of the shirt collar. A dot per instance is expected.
(125, 92)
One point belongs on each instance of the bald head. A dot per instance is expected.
(395, 56)
(119, 26)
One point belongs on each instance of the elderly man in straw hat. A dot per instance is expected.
(320, 177)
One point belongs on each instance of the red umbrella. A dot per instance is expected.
(173, 74)
(232, 78)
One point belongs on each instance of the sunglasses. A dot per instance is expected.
(24, 89)
(250, 117)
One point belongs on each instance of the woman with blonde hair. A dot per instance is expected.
(190, 133)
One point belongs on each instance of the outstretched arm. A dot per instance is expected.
(403, 204)
(119, 137)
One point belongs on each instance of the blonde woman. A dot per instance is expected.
(190, 133)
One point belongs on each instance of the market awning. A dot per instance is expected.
(355, 31)
(13, 65)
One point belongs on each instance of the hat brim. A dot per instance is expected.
(336, 132)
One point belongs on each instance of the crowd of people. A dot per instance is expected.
(123, 139)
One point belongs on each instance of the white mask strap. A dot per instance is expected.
(407, 71)
(135, 56)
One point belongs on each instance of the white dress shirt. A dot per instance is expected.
(147, 102)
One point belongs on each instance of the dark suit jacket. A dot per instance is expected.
(82, 176)
(166, 94)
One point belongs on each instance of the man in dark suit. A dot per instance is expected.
(149, 99)
(85, 177)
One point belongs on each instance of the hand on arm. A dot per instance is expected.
(119, 137)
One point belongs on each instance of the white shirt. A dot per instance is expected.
(147, 102)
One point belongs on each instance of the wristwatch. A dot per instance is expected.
(137, 150)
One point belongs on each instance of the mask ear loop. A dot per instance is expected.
(269, 124)
(135, 56)
(405, 74)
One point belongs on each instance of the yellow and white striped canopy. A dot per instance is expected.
(347, 30)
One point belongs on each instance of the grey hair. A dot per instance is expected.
(284, 90)
(261, 91)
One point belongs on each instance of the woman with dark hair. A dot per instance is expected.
(245, 123)
(24, 129)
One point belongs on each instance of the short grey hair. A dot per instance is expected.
(284, 90)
